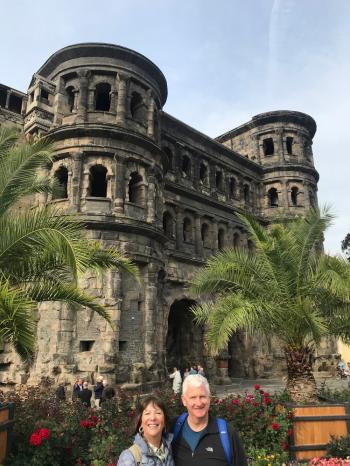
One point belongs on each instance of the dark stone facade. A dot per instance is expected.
(160, 191)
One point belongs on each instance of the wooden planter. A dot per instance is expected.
(313, 426)
(6, 422)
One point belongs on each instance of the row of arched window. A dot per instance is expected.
(273, 198)
(98, 184)
(226, 185)
(102, 100)
(206, 235)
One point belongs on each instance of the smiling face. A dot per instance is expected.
(153, 423)
(197, 402)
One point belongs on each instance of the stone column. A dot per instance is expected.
(255, 139)
(214, 234)
(197, 235)
(119, 197)
(77, 166)
(151, 199)
(122, 101)
(83, 95)
(91, 99)
(196, 168)
(24, 105)
(113, 101)
(150, 116)
(279, 133)
(179, 228)
(8, 95)
(150, 348)
(285, 194)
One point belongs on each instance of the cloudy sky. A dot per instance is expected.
(224, 62)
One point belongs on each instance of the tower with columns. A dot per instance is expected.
(161, 192)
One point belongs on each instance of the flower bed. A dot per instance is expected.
(47, 431)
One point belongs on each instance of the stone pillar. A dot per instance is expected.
(256, 148)
(214, 239)
(113, 101)
(8, 95)
(279, 133)
(151, 199)
(122, 101)
(91, 99)
(285, 194)
(24, 105)
(150, 116)
(83, 95)
(198, 236)
(196, 168)
(150, 348)
(179, 228)
(77, 166)
(119, 196)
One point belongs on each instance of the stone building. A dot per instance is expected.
(163, 193)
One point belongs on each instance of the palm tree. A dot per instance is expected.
(42, 252)
(287, 288)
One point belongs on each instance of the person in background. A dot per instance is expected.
(186, 373)
(152, 444)
(193, 370)
(61, 392)
(177, 380)
(85, 395)
(108, 392)
(98, 389)
(77, 388)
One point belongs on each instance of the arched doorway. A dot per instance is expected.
(184, 342)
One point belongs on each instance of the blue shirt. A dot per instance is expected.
(192, 437)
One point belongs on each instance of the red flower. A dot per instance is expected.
(262, 392)
(35, 439)
(275, 426)
(235, 402)
(267, 401)
(93, 418)
(44, 433)
(290, 432)
(284, 446)
(256, 387)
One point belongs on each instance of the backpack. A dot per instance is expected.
(136, 453)
(223, 432)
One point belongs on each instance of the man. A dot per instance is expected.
(199, 440)
(108, 392)
(98, 389)
(77, 388)
(61, 392)
(85, 395)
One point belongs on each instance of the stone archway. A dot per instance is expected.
(184, 341)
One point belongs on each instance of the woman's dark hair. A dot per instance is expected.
(142, 405)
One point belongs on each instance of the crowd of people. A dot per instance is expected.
(81, 391)
(178, 378)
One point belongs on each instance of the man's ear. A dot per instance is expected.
(183, 400)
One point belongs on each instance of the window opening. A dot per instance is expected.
(236, 240)
(205, 234)
(232, 187)
(186, 166)
(136, 188)
(61, 176)
(246, 194)
(268, 145)
(71, 98)
(98, 181)
(187, 230)
(219, 181)
(123, 345)
(289, 143)
(3, 95)
(273, 197)
(86, 345)
(103, 97)
(168, 159)
(203, 173)
(294, 196)
(221, 238)
(15, 103)
(168, 224)
(136, 106)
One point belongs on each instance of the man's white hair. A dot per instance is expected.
(195, 380)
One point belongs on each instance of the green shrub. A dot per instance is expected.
(339, 447)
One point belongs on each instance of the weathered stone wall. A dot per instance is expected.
(161, 192)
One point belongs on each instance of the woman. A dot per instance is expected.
(152, 445)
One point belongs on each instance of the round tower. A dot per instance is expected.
(100, 104)
(283, 146)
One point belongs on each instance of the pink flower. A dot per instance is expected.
(235, 402)
(256, 387)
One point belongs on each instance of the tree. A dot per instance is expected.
(42, 252)
(287, 288)
(345, 246)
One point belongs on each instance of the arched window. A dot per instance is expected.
(205, 234)
(61, 176)
(186, 166)
(289, 145)
(236, 240)
(221, 238)
(98, 181)
(168, 224)
(268, 146)
(273, 197)
(187, 230)
(203, 173)
(251, 246)
(70, 98)
(246, 193)
(168, 163)
(136, 107)
(219, 180)
(294, 196)
(232, 187)
(103, 97)
(136, 188)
